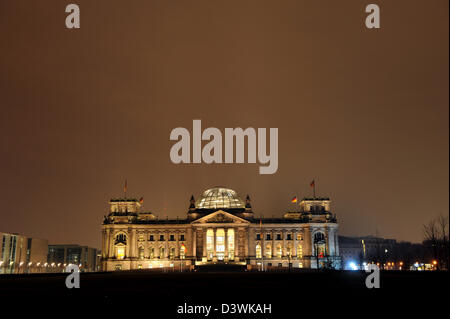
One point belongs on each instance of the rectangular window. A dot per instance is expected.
(268, 237)
(182, 238)
(289, 237)
(151, 238)
(258, 236)
(278, 236)
(172, 237)
(161, 237)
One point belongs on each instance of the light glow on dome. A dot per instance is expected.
(219, 197)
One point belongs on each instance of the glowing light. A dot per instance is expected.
(352, 265)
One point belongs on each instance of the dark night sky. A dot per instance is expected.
(365, 112)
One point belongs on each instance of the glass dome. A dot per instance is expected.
(219, 197)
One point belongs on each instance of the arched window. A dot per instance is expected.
(319, 238)
(209, 243)
(230, 243)
(258, 251)
(269, 251)
(289, 250)
(300, 251)
(319, 244)
(152, 253)
(172, 253)
(162, 252)
(279, 251)
(121, 238)
(141, 252)
(182, 251)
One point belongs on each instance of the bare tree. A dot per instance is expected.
(442, 222)
(430, 231)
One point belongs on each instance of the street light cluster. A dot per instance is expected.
(37, 265)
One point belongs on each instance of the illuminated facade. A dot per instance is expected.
(220, 228)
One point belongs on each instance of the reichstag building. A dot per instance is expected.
(220, 228)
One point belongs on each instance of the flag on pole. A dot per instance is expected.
(313, 186)
(141, 200)
(294, 200)
(125, 186)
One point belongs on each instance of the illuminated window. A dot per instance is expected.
(209, 243)
(319, 244)
(182, 251)
(289, 251)
(269, 251)
(299, 236)
(300, 251)
(120, 252)
(141, 237)
(220, 243)
(162, 252)
(231, 244)
(152, 253)
(172, 253)
(300, 265)
(279, 251)
(141, 252)
(258, 251)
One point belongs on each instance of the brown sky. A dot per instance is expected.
(364, 112)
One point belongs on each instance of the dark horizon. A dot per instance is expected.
(363, 112)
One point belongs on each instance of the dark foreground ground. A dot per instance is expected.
(327, 293)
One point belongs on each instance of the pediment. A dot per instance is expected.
(220, 217)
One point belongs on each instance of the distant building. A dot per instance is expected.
(59, 256)
(357, 250)
(220, 228)
(21, 254)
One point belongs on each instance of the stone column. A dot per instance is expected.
(177, 248)
(236, 246)
(246, 241)
(214, 242)
(226, 243)
(263, 244)
(194, 242)
(274, 253)
(106, 241)
(133, 244)
(336, 240)
(204, 241)
(294, 240)
(111, 245)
